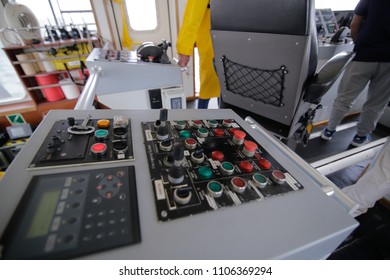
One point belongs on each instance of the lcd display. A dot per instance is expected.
(43, 214)
(176, 103)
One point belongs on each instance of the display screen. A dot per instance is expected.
(18, 132)
(176, 103)
(43, 214)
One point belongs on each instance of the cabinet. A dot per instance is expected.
(53, 73)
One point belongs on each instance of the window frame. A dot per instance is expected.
(158, 19)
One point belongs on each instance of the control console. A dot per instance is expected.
(196, 184)
(75, 141)
(206, 164)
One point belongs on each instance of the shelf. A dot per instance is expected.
(50, 59)
(59, 43)
(53, 85)
(47, 73)
(66, 62)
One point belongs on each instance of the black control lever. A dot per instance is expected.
(176, 171)
(82, 129)
(162, 131)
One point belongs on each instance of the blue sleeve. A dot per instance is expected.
(362, 8)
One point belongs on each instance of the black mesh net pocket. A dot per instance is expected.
(265, 86)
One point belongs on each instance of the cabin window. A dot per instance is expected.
(142, 14)
(11, 88)
(336, 5)
(62, 13)
(48, 13)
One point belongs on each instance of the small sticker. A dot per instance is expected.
(15, 119)
(158, 184)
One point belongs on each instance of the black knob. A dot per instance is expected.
(162, 133)
(162, 130)
(71, 121)
(178, 152)
(163, 114)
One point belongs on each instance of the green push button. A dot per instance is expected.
(185, 134)
(260, 180)
(205, 172)
(214, 188)
(101, 134)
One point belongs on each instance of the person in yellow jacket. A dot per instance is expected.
(195, 30)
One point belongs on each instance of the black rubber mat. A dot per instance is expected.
(370, 241)
(318, 149)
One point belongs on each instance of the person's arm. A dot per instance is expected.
(355, 26)
(193, 16)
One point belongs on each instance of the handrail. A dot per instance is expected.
(87, 96)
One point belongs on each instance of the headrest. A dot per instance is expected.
(291, 17)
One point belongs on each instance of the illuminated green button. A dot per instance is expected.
(205, 172)
(101, 134)
(213, 123)
(260, 180)
(214, 188)
(202, 132)
(185, 134)
(180, 125)
(227, 168)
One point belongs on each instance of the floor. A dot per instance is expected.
(371, 240)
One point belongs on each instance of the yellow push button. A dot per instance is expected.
(103, 123)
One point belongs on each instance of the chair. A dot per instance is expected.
(266, 58)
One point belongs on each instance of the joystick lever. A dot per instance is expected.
(176, 171)
(82, 129)
(162, 131)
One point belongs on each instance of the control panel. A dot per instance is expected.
(206, 164)
(192, 184)
(75, 141)
(70, 214)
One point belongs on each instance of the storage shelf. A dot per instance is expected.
(29, 81)
(49, 59)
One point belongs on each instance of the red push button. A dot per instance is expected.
(217, 155)
(249, 148)
(246, 166)
(264, 164)
(278, 177)
(197, 123)
(227, 123)
(238, 137)
(238, 184)
(219, 132)
(239, 134)
(98, 149)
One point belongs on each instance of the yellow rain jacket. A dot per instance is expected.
(195, 29)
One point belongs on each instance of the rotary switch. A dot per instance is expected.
(197, 156)
(182, 195)
(166, 145)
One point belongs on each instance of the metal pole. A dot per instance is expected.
(87, 97)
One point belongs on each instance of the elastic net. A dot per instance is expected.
(266, 86)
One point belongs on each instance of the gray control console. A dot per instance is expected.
(302, 224)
